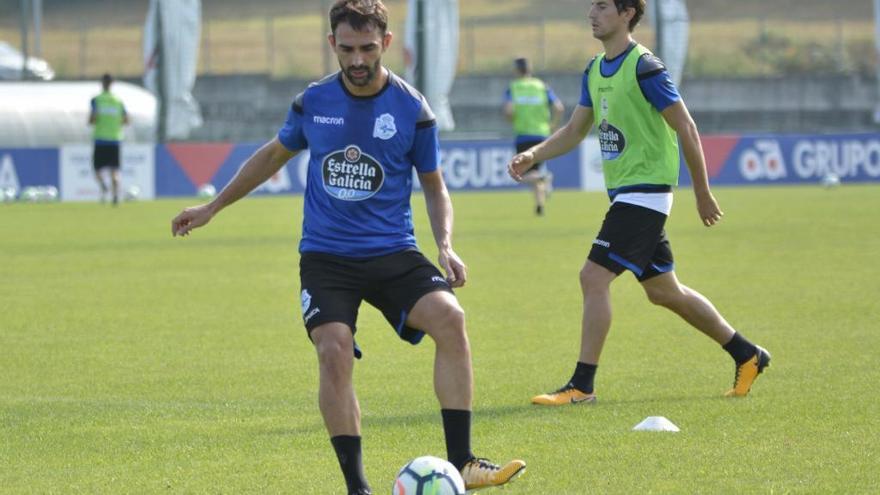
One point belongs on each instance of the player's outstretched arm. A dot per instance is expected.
(440, 213)
(257, 169)
(678, 117)
(560, 142)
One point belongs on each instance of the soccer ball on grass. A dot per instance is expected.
(428, 475)
(207, 191)
(29, 194)
(132, 193)
(830, 180)
(8, 194)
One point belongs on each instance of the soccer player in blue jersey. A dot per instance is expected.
(366, 130)
(628, 94)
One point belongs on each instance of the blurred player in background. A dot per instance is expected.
(366, 130)
(535, 111)
(628, 94)
(108, 117)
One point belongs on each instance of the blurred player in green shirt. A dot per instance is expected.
(108, 118)
(534, 110)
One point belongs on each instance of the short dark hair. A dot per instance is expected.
(638, 5)
(106, 80)
(522, 65)
(359, 14)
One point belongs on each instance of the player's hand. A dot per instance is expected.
(708, 209)
(519, 164)
(191, 218)
(456, 271)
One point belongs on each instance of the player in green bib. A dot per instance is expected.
(108, 117)
(534, 110)
(640, 118)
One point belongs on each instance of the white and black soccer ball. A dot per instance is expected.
(29, 194)
(207, 191)
(49, 194)
(132, 193)
(830, 180)
(428, 475)
(8, 194)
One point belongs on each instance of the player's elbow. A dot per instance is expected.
(686, 128)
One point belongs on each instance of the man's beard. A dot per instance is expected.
(367, 78)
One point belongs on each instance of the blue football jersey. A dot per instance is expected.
(363, 151)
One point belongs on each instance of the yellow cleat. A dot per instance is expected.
(563, 396)
(748, 372)
(480, 473)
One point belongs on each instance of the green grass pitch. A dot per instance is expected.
(132, 362)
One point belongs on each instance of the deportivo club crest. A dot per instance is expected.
(384, 127)
(351, 175)
(306, 300)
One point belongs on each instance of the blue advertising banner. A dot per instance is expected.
(467, 165)
(481, 165)
(182, 168)
(23, 167)
(790, 159)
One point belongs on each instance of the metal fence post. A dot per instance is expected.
(472, 45)
(325, 30)
(270, 43)
(24, 38)
(542, 43)
(206, 41)
(83, 48)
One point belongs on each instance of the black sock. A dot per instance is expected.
(740, 349)
(348, 451)
(457, 428)
(582, 379)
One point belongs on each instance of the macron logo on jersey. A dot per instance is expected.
(320, 119)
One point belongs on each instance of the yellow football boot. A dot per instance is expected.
(481, 473)
(565, 395)
(747, 373)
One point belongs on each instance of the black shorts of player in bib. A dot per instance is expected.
(525, 145)
(633, 238)
(332, 288)
(105, 155)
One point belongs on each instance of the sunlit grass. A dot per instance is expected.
(137, 363)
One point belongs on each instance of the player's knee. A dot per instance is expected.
(449, 327)
(452, 318)
(665, 296)
(591, 281)
(333, 351)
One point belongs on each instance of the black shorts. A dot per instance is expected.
(520, 147)
(105, 155)
(632, 238)
(332, 288)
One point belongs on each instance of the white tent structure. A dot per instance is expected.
(171, 59)
(673, 32)
(46, 114)
(434, 25)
